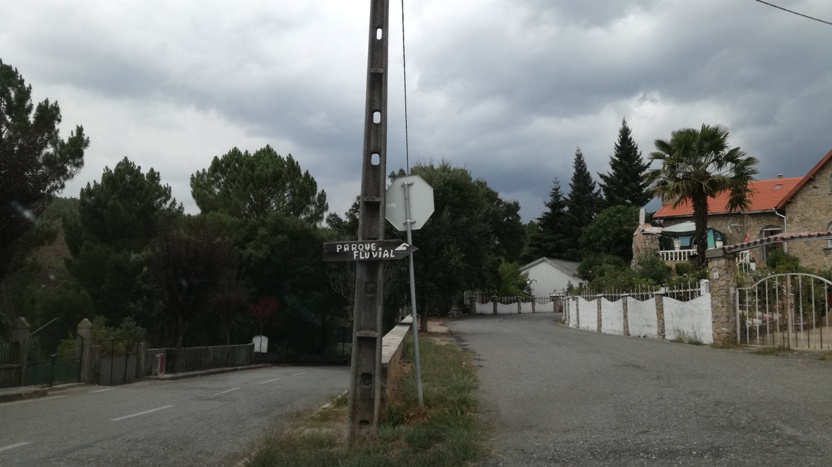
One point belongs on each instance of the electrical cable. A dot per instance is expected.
(792, 12)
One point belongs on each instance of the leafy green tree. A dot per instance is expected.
(281, 257)
(625, 184)
(611, 233)
(582, 205)
(250, 186)
(34, 161)
(547, 236)
(190, 263)
(697, 164)
(512, 281)
(462, 244)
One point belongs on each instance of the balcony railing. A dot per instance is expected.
(676, 255)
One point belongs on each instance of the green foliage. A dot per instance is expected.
(463, 243)
(582, 205)
(546, 237)
(780, 262)
(34, 162)
(653, 269)
(188, 264)
(611, 233)
(117, 219)
(697, 165)
(251, 186)
(446, 431)
(111, 278)
(607, 272)
(127, 330)
(281, 257)
(124, 211)
(512, 281)
(5, 327)
(116, 340)
(625, 184)
(691, 271)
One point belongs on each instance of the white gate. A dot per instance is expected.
(785, 310)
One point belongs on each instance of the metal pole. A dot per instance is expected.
(415, 323)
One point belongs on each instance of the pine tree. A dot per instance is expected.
(625, 184)
(582, 205)
(548, 239)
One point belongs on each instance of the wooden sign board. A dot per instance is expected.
(374, 250)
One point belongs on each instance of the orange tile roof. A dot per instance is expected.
(765, 196)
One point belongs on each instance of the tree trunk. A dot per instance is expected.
(700, 219)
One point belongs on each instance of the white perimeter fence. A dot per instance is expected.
(677, 314)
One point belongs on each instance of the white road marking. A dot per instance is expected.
(25, 401)
(141, 413)
(12, 446)
(269, 381)
(298, 374)
(223, 392)
(102, 390)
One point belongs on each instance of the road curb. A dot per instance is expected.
(22, 395)
(197, 374)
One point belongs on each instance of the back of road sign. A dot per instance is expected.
(421, 202)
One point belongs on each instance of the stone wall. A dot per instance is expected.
(722, 272)
(810, 210)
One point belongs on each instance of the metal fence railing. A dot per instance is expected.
(683, 292)
(6, 352)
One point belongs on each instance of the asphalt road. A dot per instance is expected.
(558, 396)
(211, 420)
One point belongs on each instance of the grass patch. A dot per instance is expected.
(445, 432)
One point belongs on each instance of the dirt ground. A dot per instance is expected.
(438, 330)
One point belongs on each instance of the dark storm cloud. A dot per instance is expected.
(506, 88)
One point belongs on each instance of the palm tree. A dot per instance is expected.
(697, 165)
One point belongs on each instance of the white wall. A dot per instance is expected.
(642, 318)
(612, 317)
(683, 320)
(589, 314)
(689, 320)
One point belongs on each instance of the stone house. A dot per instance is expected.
(547, 276)
(781, 206)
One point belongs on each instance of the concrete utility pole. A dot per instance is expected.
(365, 377)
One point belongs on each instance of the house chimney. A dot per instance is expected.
(641, 216)
(779, 175)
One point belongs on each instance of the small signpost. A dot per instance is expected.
(374, 250)
(409, 205)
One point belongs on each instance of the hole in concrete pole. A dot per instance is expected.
(366, 379)
(376, 117)
(375, 158)
(379, 34)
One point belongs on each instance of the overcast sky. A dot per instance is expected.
(506, 88)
